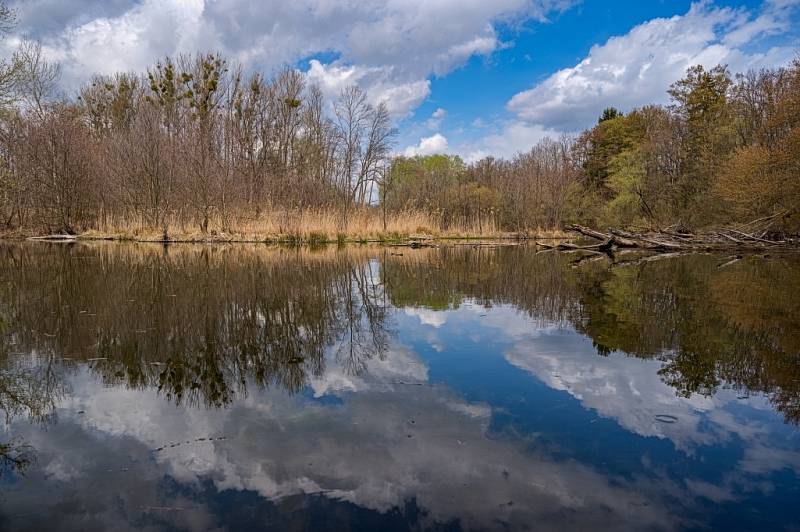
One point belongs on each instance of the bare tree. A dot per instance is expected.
(37, 78)
(9, 68)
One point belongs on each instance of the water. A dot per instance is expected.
(249, 387)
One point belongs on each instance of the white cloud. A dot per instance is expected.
(391, 47)
(398, 364)
(428, 146)
(435, 121)
(775, 19)
(636, 68)
(130, 41)
(420, 442)
(513, 137)
(434, 318)
(400, 98)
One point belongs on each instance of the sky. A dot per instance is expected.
(468, 77)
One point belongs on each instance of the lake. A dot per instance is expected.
(246, 387)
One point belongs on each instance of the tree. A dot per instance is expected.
(37, 78)
(701, 100)
(609, 113)
(9, 69)
(761, 178)
(365, 137)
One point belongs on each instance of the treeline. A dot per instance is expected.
(727, 149)
(193, 140)
(531, 191)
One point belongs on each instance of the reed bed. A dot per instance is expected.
(310, 226)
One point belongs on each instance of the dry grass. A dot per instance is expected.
(310, 226)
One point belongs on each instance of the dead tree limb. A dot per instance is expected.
(667, 241)
(568, 246)
(614, 240)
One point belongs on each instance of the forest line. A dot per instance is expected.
(196, 146)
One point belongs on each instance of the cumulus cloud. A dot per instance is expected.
(636, 68)
(44, 17)
(630, 391)
(391, 47)
(388, 446)
(513, 137)
(118, 457)
(432, 145)
(426, 316)
(435, 121)
(379, 82)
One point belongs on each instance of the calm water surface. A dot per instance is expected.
(246, 388)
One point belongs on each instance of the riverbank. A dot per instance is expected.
(297, 227)
(311, 238)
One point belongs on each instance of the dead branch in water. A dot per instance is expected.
(567, 246)
(668, 241)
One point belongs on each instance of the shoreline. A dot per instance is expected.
(223, 238)
(562, 241)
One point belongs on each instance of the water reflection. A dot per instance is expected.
(362, 388)
(738, 326)
(197, 324)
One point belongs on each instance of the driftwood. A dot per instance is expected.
(568, 246)
(616, 240)
(55, 238)
(731, 260)
(647, 258)
(666, 241)
(414, 244)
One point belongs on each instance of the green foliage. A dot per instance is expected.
(423, 182)
(609, 113)
(701, 100)
(608, 139)
(627, 181)
(721, 151)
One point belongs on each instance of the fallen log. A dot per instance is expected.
(55, 238)
(586, 231)
(648, 258)
(568, 246)
(771, 218)
(666, 241)
(653, 244)
(613, 239)
(753, 237)
(687, 237)
(729, 237)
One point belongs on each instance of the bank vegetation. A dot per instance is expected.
(198, 148)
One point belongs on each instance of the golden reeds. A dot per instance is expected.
(308, 226)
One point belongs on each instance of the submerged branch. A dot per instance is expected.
(667, 241)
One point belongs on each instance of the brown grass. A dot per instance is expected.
(311, 226)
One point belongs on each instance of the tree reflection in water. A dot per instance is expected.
(737, 326)
(199, 324)
(202, 323)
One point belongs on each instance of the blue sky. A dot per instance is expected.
(471, 77)
(475, 97)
